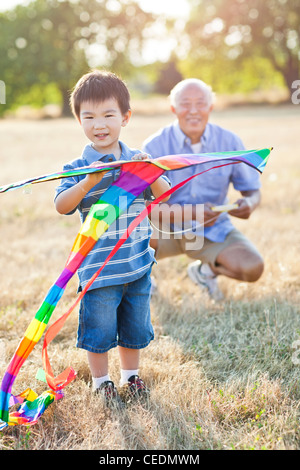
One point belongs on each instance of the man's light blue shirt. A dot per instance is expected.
(211, 186)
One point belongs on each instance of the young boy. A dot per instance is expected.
(115, 311)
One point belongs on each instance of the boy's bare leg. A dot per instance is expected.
(129, 358)
(129, 361)
(101, 380)
(98, 364)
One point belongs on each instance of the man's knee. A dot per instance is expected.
(253, 268)
(241, 263)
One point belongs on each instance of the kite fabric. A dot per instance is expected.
(172, 162)
(135, 176)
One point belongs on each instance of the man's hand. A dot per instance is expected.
(244, 209)
(210, 216)
(246, 205)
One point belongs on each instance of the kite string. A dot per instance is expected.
(177, 232)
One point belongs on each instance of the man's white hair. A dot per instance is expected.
(207, 90)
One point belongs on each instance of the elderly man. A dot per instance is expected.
(224, 250)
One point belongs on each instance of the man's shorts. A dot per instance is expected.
(204, 250)
(116, 316)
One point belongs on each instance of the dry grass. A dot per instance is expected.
(221, 376)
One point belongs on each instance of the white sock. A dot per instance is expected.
(97, 381)
(125, 374)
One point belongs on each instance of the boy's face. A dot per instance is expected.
(102, 123)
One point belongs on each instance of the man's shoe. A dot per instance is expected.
(207, 281)
(110, 395)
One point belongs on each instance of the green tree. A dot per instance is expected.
(228, 32)
(53, 42)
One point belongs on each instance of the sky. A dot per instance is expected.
(174, 8)
(6, 4)
(177, 8)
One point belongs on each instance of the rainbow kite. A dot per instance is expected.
(134, 178)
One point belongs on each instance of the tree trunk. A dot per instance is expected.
(66, 109)
(291, 73)
(290, 70)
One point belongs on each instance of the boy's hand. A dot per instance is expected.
(69, 199)
(140, 156)
(94, 178)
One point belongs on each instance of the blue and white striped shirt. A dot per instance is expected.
(135, 257)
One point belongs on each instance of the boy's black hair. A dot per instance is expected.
(99, 86)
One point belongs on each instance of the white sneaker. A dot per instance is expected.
(208, 281)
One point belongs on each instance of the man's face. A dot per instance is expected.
(192, 111)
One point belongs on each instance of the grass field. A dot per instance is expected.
(222, 376)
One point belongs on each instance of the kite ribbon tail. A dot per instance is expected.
(69, 374)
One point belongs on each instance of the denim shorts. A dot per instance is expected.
(116, 316)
